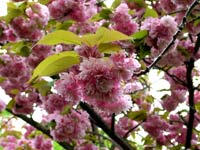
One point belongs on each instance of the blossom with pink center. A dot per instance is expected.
(28, 28)
(155, 126)
(39, 53)
(161, 31)
(168, 5)
(86, 51)
(180, 73)
(54, 102)
(123, 103)
(98, 80)
(84, 27)
(24, 103)
(7, 33)
(68, 87)
(41, 143)
(131, 87)
(71, 126)
(171, 102)
(86, 146)
(79, 10)
(125, 66)
(39, 13)
(122, 20)
(124, 125)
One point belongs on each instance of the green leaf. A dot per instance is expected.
(150, 12)
(13, 11)
(107, 35)
(140, 35)
(109, 48)
(115, 4)
(66, 110)
(55, 64)
(43, 87)
(11, 104)
(65, 25)
(137, 115)
(57, 146)
(144, 50)
(60, 36)
(2, 79)
(5, 114)
(90, 39)
(103, 14)
(183, 51)
(44, 2)
(21, 48)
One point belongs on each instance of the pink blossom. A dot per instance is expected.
(71, 126)
(161, 31)
(131, 87)
(155, 126)
(7, 33)
(98, 80)
(124, 125)
(86, 51)
(42, 144)
(125, 66)
(84, 27)
(28, 28)
(123, 103)
(168, 5)
(69, 9)
(171, 102)
(54, 102)
(68, 87)
(2, 105)
(24, 103)
(122, 21)
(39, 13)
(87, 146)
(39, 53)
(180, 73)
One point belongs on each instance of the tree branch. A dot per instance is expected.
(164, 51)
(123, 145)
(190, 66)
(40, 128)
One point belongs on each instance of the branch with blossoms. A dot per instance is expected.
(99, 122)
(39, 127)
(165, 50)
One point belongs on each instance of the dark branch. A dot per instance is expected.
(113, 123)
(123, 145)
(40, 128)
(190, 66)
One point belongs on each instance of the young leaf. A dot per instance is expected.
(137, 115)
(55, 64)
(140, 35)
(150, 13)
(90, 39)
(115, 4)
(103, 14)
(60, 36)
(110, 35)
(13, 11)
(109, 48)
(43, 87)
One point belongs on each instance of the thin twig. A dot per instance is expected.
(164, 51)
(40, 128)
